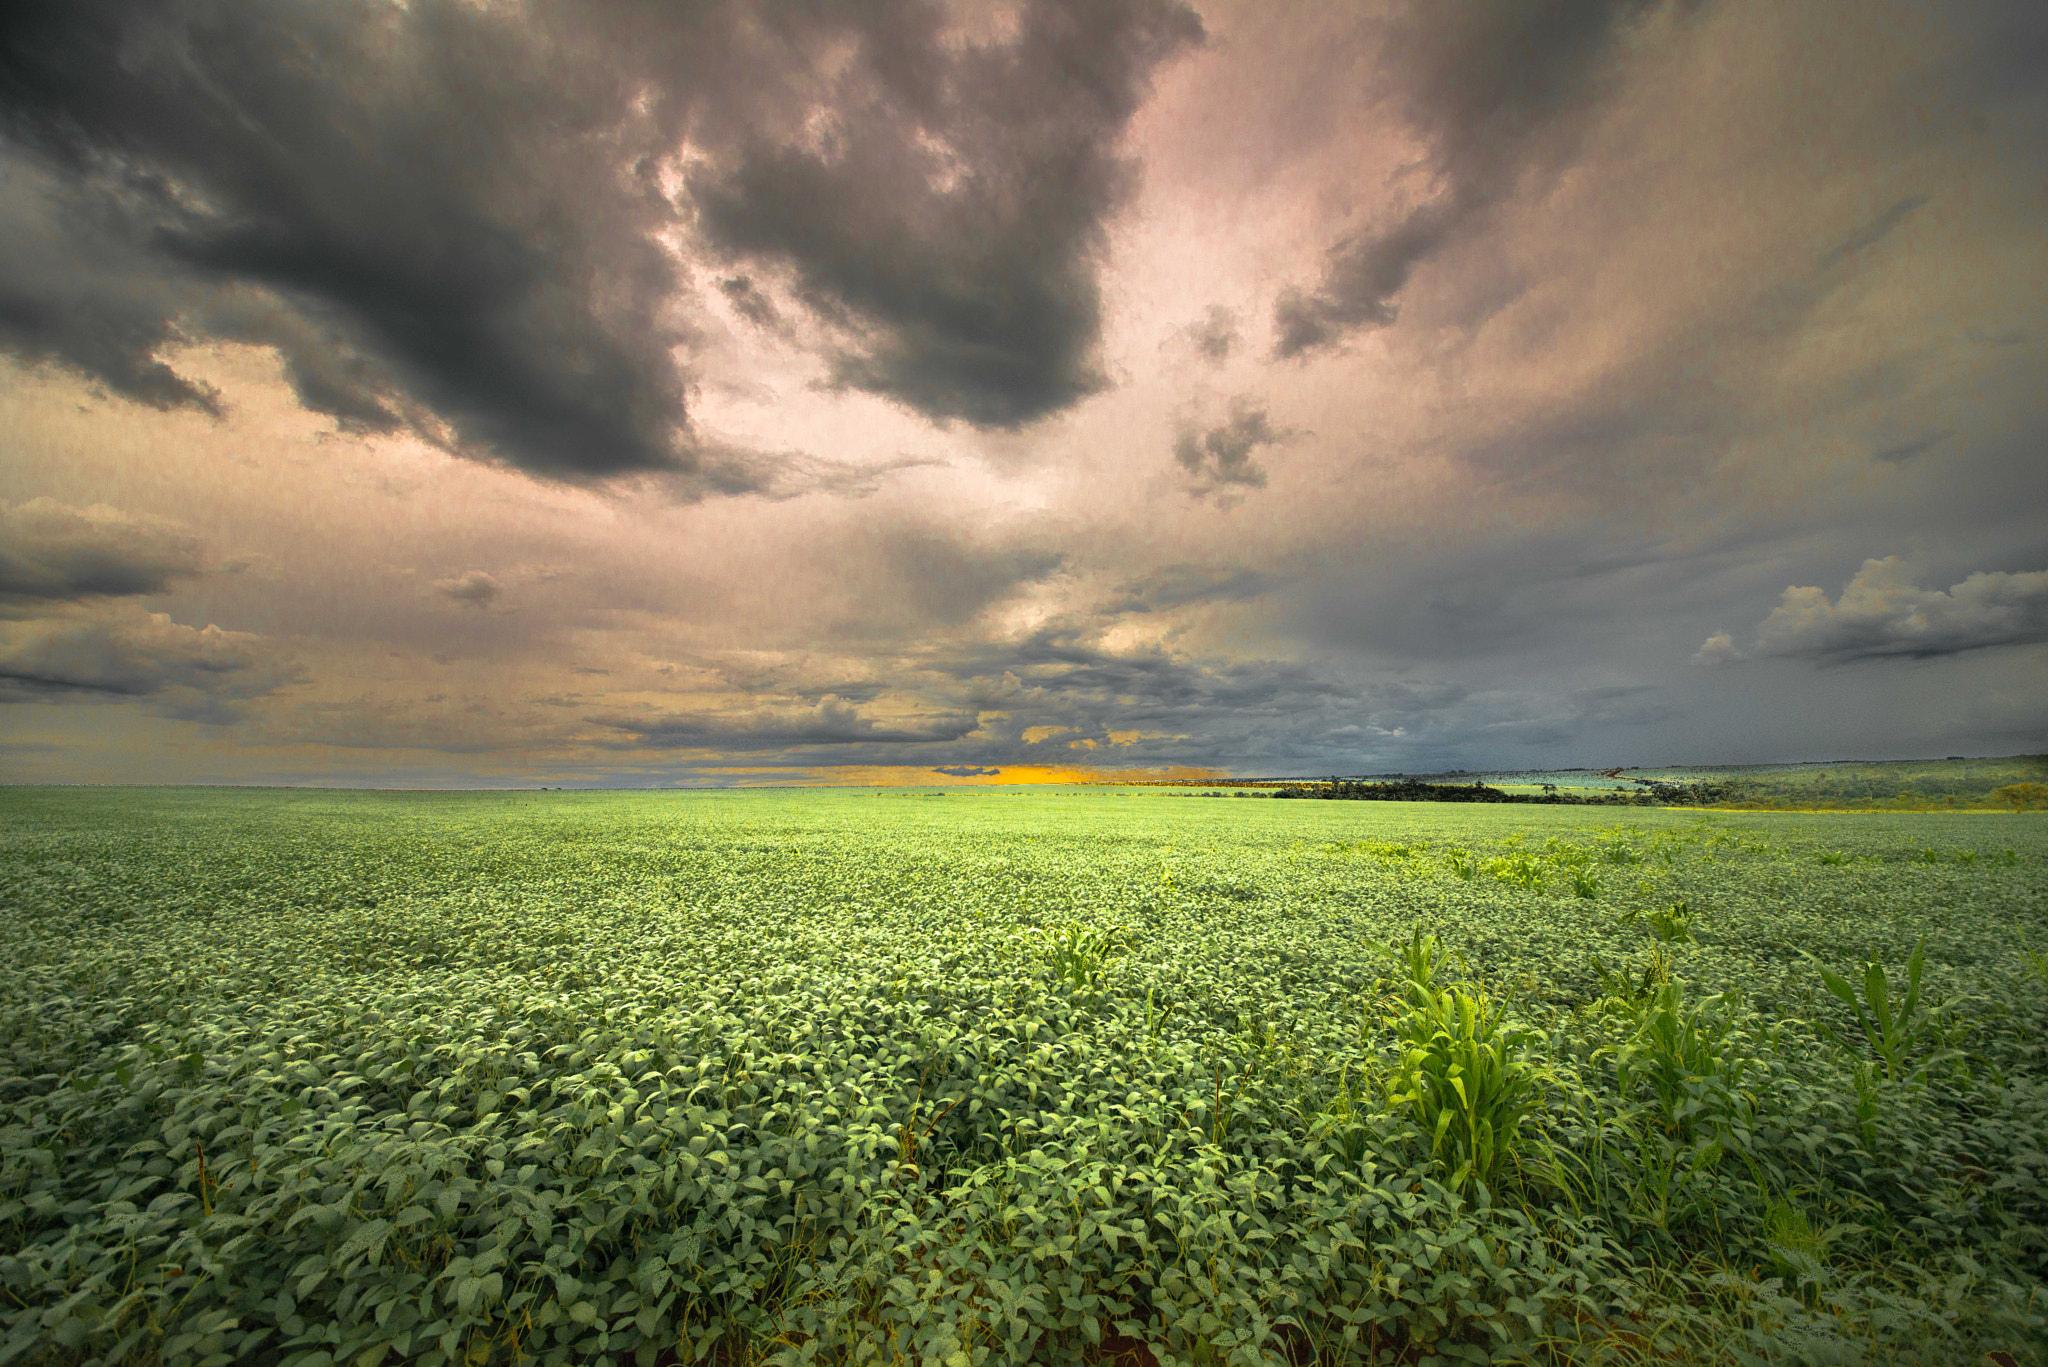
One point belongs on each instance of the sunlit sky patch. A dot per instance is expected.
(595, 392)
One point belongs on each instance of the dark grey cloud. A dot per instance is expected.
(951, 213)
(1871, 233)
(1214, 337)
(473, 588)
(1882, 614)
(939, 578)
(199, 674)
(1219, 461)
(834, 722)
(1056, 698)
(750, 303)
(965, 771)
(53, 553)
(1497, 91)
(429, 210)
(1175, 586)
(445, 216)
(1620, 705)
(780, 475)
(1909, 450)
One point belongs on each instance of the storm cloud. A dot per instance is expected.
(52, 553)
(1881, 614)
(1496, 93)
(198, 674)
(1219, 460)
(461, 220)
(950, 211)
(834, 722)
(604, 391)
(473, 588)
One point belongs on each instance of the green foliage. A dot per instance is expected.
(1669, 925)
(2023, 796)
(1461, 863)
(1464, 1073)
(749, 1077)
(1079, 955)
(1689, 1057)
(1902, 785)
(1890, 1025)
(1520, 869)
(1798, 1252)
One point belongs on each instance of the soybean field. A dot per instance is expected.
(1015, 1075)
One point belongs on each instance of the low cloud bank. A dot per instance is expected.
(1882, 614)
(53, 553)
(199, 674)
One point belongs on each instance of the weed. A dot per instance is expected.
(1519, 869)
(1464, 1074)
(1684, 1053)
(1669, 925)
(1798, 1252)
(1079, 955)
(1891, 1027)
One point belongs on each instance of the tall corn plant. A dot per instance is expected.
(1464, 1074)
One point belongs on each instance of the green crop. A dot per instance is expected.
(314, 1078)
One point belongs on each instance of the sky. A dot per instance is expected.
(453, 393)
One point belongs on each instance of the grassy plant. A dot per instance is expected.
(1519, 869)
(1798, 1251)
(1585, 883)
(1079, 955)
(1891, 1025)
(1685, 1055)
(1669, 925)
(1464, 1074)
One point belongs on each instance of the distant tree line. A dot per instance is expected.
(1650, 793)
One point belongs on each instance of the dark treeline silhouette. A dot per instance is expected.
(1650, 794)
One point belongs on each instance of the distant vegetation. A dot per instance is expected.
(1903, 785)
(2015, 783)
(1415, 790)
